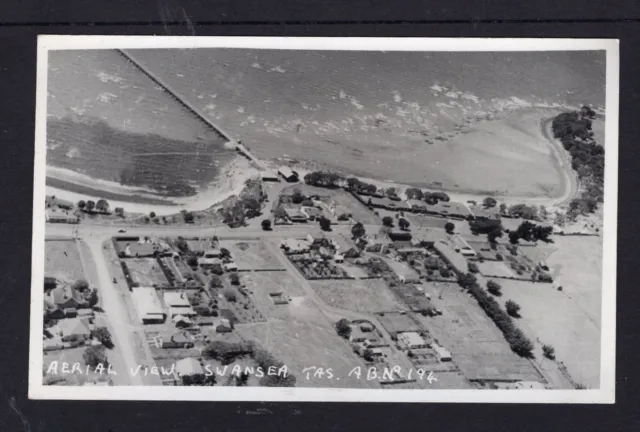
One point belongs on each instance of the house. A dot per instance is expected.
(60, 216)
(352, 253)
(178, 304)
(412, 340)
(483, 213)
(295, 215)
(270, 175)
(338, 258)
(213, 253)
(214, 264)
(295, 246)
(279, 298)
(409, 251)
(230, 267)
(441, 352)
(399, 235)
(460, 245)
(51, 201)
(189, 366)
(73, 330)
(180, 339)
(451, 257)
(65, 297)
(312, 213)
(288, 174)
(147, 304)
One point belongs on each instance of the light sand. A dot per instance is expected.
(230, 182)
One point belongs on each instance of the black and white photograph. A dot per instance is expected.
(325, 219)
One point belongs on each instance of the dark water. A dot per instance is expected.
(110, 121)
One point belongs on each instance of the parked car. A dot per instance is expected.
(122, 231)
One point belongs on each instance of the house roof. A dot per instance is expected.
(293, 212)
(52, 200)
(63, 293)
(455, 259)
(176, 299)
(411, 338)
(189, 366)
(286, 171)
(73, 327)
(213, 252)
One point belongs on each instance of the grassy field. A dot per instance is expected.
(300, 345)
(261, 284)
(251, 255)
(477, 346)
(62, 260)
(146, 271)
(495, 268)
(370, 295)
(398, 322)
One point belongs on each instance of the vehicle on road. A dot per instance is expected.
(122, 231)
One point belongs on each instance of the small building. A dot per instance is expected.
(73, 330)
(213, 264)
(338, 258)
(451, 257)
(270, 176)
(288, 174)
(180, 339)
(51, 201)
(213, 253)
(66, 297)
(147, 304)
(295, 246)
(189, 366)
(312, 213)
(460, 245)
(60, 216)
(230, 267)
(178, 304)
(441, 352)
(399, 235)
(412, 340)
(295, 215)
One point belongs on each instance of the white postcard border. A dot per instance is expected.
(606, 392)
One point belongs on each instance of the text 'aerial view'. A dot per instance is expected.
(222, 222)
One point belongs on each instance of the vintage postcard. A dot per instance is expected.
(325, 219)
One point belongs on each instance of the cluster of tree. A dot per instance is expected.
(519, 343)
(236, 211)
(187, 216)
(359, 186)
(485, 226)
(358, 230)
(523, 211)
(95, 355)
(325, 223)
(82, 286)
(528, 231)
(102, 335)
(489, 202)
(494, 288)
(449, 227)
(90, 206)
(513, 308)
(323, 179)
(574, 130)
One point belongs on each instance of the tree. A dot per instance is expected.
(198, 380)
(187, 216)
(494, 288)
(391, 192)
(473, 268)
(81, 204)
(353, 183)
(93, 298)
(234, 278)
(325, 224)
(182, 245)
(445, 272)
(513, 308)
(503, 208)
(230, 295)
(358, 230)
(192, 261)
(449, 227)
(494, 234)
(102, 205)
(489, 202)
(266, 225)
(102, 335)
(414, 193)
(80, 285)
(549, 352)
(343, 327)
(387, 221)
(225, 253)
(90, 206)
(368, 355)
(119, 211)
(297, 197)
(251, 206)
(403, 224)
(514, 237)
(94, 356)
(215, 282)
(152, 215)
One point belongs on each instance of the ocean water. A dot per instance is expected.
(110, 121)
(387, 115)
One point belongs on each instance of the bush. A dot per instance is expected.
(343, 328)
(325, 224)
(499, 257)
(230, 295)
(94, 356)
(80, 285)
(192, 261)
(215, 282)
(473, 268)
(494, 288)
(445, 272)
(512, 308)
(102, 335)
(449, 227)
(266, 224)
(387, 221)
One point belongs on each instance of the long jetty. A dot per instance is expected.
(240, 148)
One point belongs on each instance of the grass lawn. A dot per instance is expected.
(477, 346)
(251, 255)
(558, 319)
(300, 345)
(146, 271)
(495, 268)
(71, 356)
(261, 284)
(368, 295)
(62, 260)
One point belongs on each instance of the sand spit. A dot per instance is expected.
(230, 182)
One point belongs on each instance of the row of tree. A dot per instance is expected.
(90, 206)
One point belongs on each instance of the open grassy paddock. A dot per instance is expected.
(251, 255)
(477, 346)
(62, 260)
(359, 295)
(146, 271)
